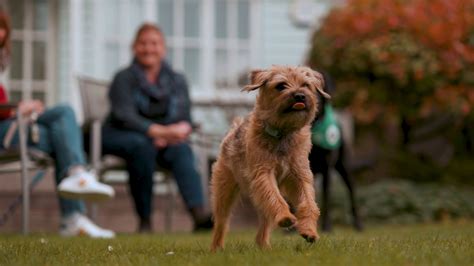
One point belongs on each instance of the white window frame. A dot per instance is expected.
(233, 44)
(27, 85)
(122, 40)
(179, 43)
(206, 42)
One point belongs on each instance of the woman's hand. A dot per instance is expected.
(169, 134)
(181, 130)
(160, 143)
(31, 106)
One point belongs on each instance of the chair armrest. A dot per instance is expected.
(196, 127)
(7, 110)
(8, 106)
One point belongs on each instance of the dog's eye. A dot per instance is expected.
(306, 85)
(280, 86)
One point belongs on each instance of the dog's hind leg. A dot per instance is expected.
(224, 191)
(263, 235)
(347, 178)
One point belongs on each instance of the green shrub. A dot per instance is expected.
(398, 58)
(401, 65)
(403, 202)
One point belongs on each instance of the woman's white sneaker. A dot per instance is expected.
(84, 185)
(79, 225)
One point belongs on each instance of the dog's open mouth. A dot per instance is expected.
(298, 106)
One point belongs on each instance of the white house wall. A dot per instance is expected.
(279, 41)
(64, 52)
(283, 43)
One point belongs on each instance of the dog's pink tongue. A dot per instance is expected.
(299, 106)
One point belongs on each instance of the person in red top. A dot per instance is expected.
(4, 113)
(60, 137)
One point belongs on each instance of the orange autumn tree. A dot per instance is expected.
(400, 59)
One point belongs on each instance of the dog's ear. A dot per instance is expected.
(258, 78)
(318, 80)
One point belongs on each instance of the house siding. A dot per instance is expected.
(280, 41)
(64, 51)
(283, 42)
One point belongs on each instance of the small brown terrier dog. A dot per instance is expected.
(266, 155)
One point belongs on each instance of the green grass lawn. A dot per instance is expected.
(444, 244)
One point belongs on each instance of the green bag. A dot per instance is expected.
(326, 133)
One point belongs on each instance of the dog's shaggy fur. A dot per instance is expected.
(266, 155)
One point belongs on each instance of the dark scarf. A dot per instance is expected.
(161, 103)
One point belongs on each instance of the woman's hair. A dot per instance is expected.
(5, 24)
(144, 28)
(5, 45)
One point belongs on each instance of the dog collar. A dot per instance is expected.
(273, 132)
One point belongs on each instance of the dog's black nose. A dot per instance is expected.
(299, 97)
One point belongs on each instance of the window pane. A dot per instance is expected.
(40, 19)
(17, 13)
(191, 65)
(111, 16)
(112, 55)
(17, 60)
(192, 10)
(169, 55)
(221, 19)
(15, 96)
(39, 60)
(165, 16)
(39, 95)
(221, 68)
(243, 17)
(136, 13)
(243, 67)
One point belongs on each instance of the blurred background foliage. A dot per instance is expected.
(405, 70)
(395, 201)
(400, 58)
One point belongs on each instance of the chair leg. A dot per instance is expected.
(93, 213)
(170, 206)
(24, 175)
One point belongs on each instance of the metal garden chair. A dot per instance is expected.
(96, 106)
(22, 159)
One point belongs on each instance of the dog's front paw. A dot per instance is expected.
(287, 221)
(215, 249)
(309, 235)
(310, 238)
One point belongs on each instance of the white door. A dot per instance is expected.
(31, 74)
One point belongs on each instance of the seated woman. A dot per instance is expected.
(60, 137)
(149, 124)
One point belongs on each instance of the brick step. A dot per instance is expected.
(116, 214)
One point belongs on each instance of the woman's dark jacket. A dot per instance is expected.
(136, 104)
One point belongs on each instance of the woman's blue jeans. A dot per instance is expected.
(142, 157)
(60, 137)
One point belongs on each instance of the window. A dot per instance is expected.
(229, 41)
(181, 24)
(121, 19)
(30, 71)
(232, 42)
(200, 34)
